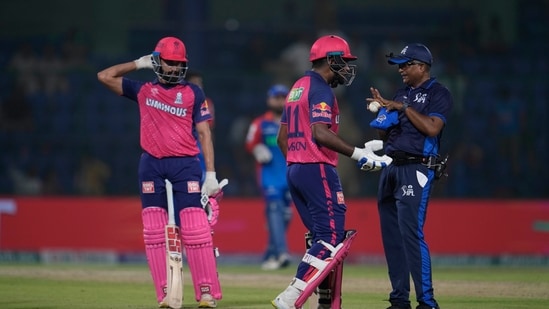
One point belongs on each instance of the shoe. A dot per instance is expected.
(286, 299)
(283, 260)
(163, 304)
(400, 307)
(425, 306)
(278, 304)
(270, 264)
(207, 301)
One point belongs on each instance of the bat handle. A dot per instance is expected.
(223, 183)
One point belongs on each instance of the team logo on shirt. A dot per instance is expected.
(204, 110)
(340, 197)
(322, 110)
(193, 187)
(420, 97)
(147, 187)
(178, 98)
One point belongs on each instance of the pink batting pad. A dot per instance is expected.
(154, 222)
(197, 239)
(336, 261)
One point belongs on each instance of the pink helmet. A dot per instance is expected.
(170, 48)
(330, 45)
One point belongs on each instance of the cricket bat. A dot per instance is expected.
(174, 257)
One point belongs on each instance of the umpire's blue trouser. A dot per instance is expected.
(402, 203)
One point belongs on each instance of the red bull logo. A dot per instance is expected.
(204, 110)
(322, 110)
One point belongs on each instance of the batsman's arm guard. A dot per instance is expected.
(325, 268)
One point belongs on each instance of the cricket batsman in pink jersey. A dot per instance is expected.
(308, 139)
(170, 108)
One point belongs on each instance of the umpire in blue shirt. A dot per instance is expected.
(411, 125)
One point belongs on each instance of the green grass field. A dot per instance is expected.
(102, 287)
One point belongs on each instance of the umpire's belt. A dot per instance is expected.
(403, 158)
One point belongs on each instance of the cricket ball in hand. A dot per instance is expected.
(374, 106)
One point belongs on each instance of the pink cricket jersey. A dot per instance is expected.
(311, 100)
(168, 116)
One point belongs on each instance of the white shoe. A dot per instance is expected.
(270, 264)
(207, 301)
(286, 299)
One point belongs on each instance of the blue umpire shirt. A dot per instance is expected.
(431, 99)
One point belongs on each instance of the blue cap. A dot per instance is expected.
(415, 51)
(278, 90)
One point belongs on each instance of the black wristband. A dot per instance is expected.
(404, 107)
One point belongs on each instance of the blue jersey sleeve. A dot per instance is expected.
(130, 88)
(441, 103)
(201, 111)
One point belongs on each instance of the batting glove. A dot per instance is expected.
(373, 165)
(210, 185)
(211, 203)
(144, 62)
(368, 160)
(262, 154)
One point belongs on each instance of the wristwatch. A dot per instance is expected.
(404, 106)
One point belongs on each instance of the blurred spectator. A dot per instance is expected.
(52, 70)
(24, 65)
(16, 112)
(51, 184)
(468, 37)
(26, 181)
(509, 118)
(92, 176)
(383, 74)
(255, 55)
(456, 82)
(293, 60)
(495, 41)
(467, 176)
(76, 47)
(350, 174)
(243, 164)
(392, 44)
(362, 50)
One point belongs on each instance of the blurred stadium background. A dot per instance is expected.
(67, 135)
